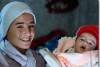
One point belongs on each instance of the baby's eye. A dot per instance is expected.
(90, 43)
(82, 39)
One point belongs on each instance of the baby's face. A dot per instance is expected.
(85, 42)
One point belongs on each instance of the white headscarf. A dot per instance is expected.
(8, 14)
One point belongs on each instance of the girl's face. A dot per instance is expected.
(21, 32)
(85, 42)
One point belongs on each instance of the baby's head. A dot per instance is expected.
(87, 38)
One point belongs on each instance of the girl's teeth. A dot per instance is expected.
(25, 39)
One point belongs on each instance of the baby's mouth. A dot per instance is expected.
(82, 47)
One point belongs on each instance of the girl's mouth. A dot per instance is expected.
(26, 40)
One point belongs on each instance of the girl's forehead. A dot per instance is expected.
(25, 18)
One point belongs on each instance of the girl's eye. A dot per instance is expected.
(31, 27)
(19, 26)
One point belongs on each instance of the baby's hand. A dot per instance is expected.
(64, 44)
(69, 42)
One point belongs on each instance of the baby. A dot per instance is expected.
(86, 39)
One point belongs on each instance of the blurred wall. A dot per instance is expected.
(86, 13)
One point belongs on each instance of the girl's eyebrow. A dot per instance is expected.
(32, 22)
(17, 23)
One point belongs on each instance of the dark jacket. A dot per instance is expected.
(12, 63)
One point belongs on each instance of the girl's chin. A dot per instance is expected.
(25, 47)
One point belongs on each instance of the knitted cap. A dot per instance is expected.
(92, 29)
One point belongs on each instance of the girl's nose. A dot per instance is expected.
(27, 32)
